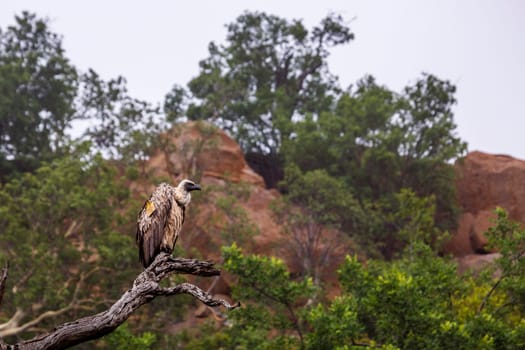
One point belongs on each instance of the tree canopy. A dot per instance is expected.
(270, 71)
(38, 87)
(43, 96)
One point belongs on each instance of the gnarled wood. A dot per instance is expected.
(145, 288)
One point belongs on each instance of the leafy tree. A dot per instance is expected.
(270, 71)
(174, 106)
(417, 302)
(37, 89)
(380, 142)
(327, 198)
(273, 302)
(65, 212)
(60, 235)
(268, 280)
(386, 289)
(336, 140)
(42, 95)
(121, 126)
(508, 237)
(413, 219)
(312, 215)
(334, 326)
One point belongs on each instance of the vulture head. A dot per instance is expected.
(182, 191)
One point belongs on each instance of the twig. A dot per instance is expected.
(487, 296)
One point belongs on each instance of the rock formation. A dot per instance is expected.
(485, 181)
(237, 195)
(233, 195)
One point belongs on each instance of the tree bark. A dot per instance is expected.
(146, 287)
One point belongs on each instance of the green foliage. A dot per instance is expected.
(238, 227)
(335, 326)
(37, 89)
(416, 302)
(42, 96)
(325, 197)
(266, 280)
(59, 234)
(269, 70)
(419, 286)
(175, 104)
(123, 127)
(413, 220)
(123, 339)
(509, 238)
(266, 277)
(311, 216)
(271, 307)
(379, 143)
(414, 216)
(250, 330)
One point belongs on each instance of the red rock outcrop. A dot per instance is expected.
(206, 153)
(233, 195)
(197, 147)
(485, 181)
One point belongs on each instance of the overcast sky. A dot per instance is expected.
(477, 45)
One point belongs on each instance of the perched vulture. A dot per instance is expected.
(161, 218)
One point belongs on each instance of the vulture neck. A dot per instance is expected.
(182, 196)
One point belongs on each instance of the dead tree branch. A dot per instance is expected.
(3, 278)
(146, 287)
(13, 326)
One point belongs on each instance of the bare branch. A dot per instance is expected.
(13, 321)
(145, 288)
(3, 278)
(196, 292)
(23, 280)
(12, 326)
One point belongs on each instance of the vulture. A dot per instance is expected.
(161, 218)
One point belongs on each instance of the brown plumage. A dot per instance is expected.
(161, 218)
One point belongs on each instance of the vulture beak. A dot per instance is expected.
(194, 187)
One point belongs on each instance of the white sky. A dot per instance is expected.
(478, 45)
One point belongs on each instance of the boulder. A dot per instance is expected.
(198, 147)
(476, 263)
(484, 182)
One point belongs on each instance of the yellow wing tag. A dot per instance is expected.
(150, 207)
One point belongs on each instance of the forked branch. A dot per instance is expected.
(146, 287)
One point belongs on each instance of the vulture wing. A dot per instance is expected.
(151, 222)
